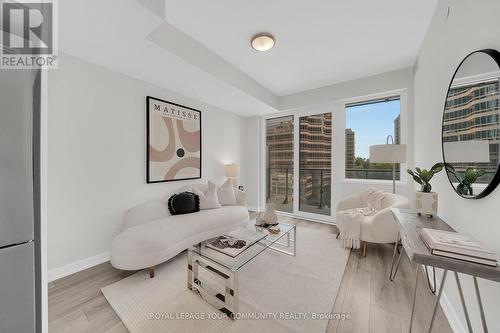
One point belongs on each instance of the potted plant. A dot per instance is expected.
(464, 186)
(425, 200)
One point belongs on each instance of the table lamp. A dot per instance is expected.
(232, 171)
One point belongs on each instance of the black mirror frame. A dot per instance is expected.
(495, 55)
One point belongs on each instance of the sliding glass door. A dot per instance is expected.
(300, 145)
(279, 160)
(315, 163)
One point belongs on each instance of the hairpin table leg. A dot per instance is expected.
(441, 287)
(462, 299)
(394, 265)
(431, 287)
(414, 298)
(481, 310)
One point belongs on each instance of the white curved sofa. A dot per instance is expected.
(151, 235)
(381, 227)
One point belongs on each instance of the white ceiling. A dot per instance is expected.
(318, 42)
(114, 34)
(200, 48)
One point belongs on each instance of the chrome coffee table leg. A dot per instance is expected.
(290, 246)
(227, 300)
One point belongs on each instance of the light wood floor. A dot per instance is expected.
(373, 302)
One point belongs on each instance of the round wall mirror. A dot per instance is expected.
(470, 130)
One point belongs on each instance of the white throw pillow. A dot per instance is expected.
(226, 193)
(209, 199)
(372, 198)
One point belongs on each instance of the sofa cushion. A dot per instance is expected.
(183, 203)
(240, 196)
(208, 199)
(154, 242)
(226, 193)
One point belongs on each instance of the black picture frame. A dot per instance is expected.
(495, 55)
(148, 133)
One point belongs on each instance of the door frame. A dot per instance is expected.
(330, 107)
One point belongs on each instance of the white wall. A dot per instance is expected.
(250, 161)
(332, 99)
(96, 156)
(471, 25)
(396, 79)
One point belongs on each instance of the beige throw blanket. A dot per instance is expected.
(350, 226)
(350, 221)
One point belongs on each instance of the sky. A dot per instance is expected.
(371, 123)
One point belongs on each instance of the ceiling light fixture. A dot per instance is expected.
(262, 42)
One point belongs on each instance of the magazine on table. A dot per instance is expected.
(235, 242)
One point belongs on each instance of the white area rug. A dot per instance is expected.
(273, 283)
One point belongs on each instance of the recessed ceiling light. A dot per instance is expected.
(262, 42)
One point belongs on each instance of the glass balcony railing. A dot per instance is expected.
(279, 185)
(377, 174)
(314, 185)
(315, 191)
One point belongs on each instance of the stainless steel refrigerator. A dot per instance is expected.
(19, 201)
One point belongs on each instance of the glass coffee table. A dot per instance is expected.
(222, 266)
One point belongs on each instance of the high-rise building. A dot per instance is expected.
(279, 150)
(316, 142)
(397, 130)
(315, 154)
(471, 113)
(350, 154)
(279, 139)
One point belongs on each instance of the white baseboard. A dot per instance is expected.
(77, 266)
(451, 315)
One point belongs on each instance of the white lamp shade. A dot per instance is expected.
(231, 170)
(467, 151)
(388, 153)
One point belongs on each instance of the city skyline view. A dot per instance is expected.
(371, 124)
(366, 124)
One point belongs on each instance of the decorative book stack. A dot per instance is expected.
(235, 242)
(458, 246)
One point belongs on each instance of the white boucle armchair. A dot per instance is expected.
(380, 227)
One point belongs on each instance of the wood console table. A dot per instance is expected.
(410, 224)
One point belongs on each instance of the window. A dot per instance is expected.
(369, 123)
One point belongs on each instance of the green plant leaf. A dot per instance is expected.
(417, 179)
(437, 167)
(424, 174)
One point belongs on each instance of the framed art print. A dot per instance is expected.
(173, 141)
